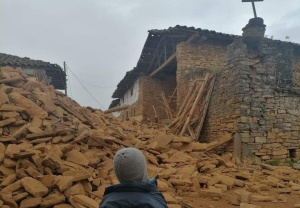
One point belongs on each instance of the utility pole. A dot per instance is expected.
(65, 70)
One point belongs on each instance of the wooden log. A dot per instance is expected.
(199, 95)
(155, 114)
(191, 132)
(41, 140)
(21, 131)
(100, 141)
(168, 109)
(71, 111)
(207, 100)
(82, 135)
(184, 105)
(22, 155)
(189, 104)
(186, 98)
(11, 80)
(120, 142)
(115, 109)
(219, 144)
(40, 135)
(89, 121)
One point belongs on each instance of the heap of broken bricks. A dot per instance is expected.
(55, 153)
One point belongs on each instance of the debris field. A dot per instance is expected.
(55, 153)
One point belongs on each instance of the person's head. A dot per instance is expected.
(130, 166)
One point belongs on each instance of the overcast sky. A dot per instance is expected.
(102, 39)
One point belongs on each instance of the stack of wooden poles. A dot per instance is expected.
(190, 117)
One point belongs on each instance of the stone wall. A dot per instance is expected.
(268, 123)
(273, 132)
(254, 101)
(193, 59)
(296, 69)
(223, 116)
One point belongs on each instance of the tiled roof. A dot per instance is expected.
(193, 29)
(114, 103)
(180, 34)
(58, 76)
(145, 66)
(7, 59)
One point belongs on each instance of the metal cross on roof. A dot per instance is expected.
(253, 5)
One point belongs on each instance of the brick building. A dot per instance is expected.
(256, 94)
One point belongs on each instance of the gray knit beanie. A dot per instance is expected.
(130, 166)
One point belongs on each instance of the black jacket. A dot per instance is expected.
(133, 195)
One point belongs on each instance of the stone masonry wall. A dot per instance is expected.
(223, 116)
(193, 59)
(269, 121)
(296, 69)
(254, 101)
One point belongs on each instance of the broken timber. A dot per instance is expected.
(172, 57)
(115, 109)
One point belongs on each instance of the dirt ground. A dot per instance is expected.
(193, 201)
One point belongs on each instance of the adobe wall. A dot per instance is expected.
(194, 59)
(149, 95)
(151, 89)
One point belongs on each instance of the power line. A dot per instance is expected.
(94, 85)
(85, 88)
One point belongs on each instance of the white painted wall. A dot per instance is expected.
(129, 99)
(117, 114)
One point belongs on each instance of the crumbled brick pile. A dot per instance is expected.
(55, 153)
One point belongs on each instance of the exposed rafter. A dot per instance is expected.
(173, 57)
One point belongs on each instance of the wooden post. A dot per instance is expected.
(155, 115)
(65, 70)
(165, 48)
(10, 80)
(118, 108)
(199, 95)
(186, 97)
(208, 96)
(237, 148)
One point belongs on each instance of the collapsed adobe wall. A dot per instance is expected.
(194, 59)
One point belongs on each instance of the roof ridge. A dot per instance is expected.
(8, 59)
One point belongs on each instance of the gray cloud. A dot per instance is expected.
(101, 40)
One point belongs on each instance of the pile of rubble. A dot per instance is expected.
(55, 153)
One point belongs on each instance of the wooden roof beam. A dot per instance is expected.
(173, 57)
